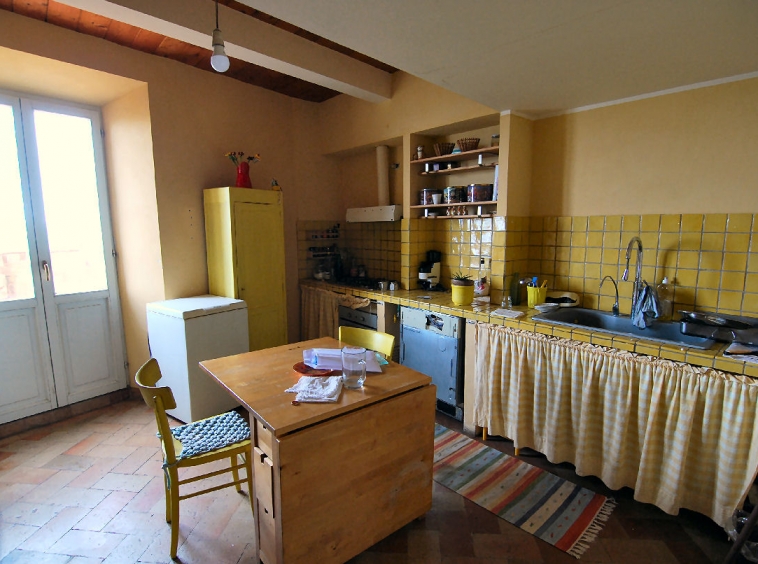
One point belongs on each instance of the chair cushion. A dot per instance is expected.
(211, 434)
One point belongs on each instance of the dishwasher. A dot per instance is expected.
(432, 343)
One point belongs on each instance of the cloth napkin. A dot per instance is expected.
(320, 389)
(508, 313)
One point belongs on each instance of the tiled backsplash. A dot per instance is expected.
(376, 246)
(711, 260)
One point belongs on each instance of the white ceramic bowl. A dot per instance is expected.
(544, 308)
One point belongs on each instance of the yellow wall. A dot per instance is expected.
(687, 152)
(131, 184)
(186, 119)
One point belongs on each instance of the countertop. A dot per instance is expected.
(442, 302)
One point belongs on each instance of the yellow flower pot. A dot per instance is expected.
(463, 292)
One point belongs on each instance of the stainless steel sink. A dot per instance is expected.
(661, 331)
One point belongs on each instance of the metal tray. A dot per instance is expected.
(720, 327)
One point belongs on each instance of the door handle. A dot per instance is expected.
(46, 270)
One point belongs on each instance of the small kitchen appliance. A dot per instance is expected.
(429, 271)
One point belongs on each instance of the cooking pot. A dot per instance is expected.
(383, 285)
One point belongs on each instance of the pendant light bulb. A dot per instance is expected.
(219, 60)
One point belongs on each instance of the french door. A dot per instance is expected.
(61, 335)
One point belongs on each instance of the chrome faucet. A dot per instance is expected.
(616, 304)
(638, 273)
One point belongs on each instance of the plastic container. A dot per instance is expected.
(665, 299)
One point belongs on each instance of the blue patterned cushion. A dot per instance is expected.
(211, 434)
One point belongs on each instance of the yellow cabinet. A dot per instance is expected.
(244, 234)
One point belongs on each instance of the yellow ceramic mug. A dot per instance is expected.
(536, 296)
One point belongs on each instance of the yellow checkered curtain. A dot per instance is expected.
(679, 435)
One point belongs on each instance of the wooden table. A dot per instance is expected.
(332, 479)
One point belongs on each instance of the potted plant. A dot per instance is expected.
(463, 288)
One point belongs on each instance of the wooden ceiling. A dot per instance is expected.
(126, 35)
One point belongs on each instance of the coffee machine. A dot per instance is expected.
(429, 271)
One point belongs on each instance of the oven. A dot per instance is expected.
(377, 316)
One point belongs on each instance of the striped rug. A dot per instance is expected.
(563, 514)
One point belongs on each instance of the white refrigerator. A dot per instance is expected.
(185, 331)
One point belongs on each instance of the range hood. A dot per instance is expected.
(384, 211)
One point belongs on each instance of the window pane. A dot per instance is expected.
(15, 265)
(69, 192)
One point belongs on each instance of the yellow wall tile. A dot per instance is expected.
(711, 261)
(709, 279)
(712, 242)
(613, 223)
(685, 277)
(737, 242)
(690, 242)
(733, 281)
(707, 299)
(714, 223)
(688, 259)
(692, 223)
(735, 262)
(752, 262)
(650, 223)
(668, 241)
(593, 255)
(750, 304)
(595, 239)
(670, 223)
(578, 223)
(631, 223)
(596, 223)
(739, 222)
(578, 254)
(730, 300)
(564, 224)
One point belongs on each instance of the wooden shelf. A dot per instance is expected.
(455, 170)
(462, 156)
(421, 207)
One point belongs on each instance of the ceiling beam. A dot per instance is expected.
(248, 39)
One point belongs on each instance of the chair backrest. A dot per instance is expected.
(160, 399)
(373, 340)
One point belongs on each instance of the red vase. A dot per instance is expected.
(243, 175)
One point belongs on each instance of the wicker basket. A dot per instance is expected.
(468, 144)
(443, 148)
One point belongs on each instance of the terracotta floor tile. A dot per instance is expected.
(105, 511)
(47, 490)
(54, 529)
(11, 493)
(25, 475)
(34, 557)
(35, 514)
(135, 461)
(127, 482)
(92, 544)
(111, 451)
(95, 473)
(636, 551)
(151, 494)
(12, 535)
(69, 462)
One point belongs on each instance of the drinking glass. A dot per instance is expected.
(353, 367)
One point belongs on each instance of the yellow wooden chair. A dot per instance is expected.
(372, 340)
(222, 436)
